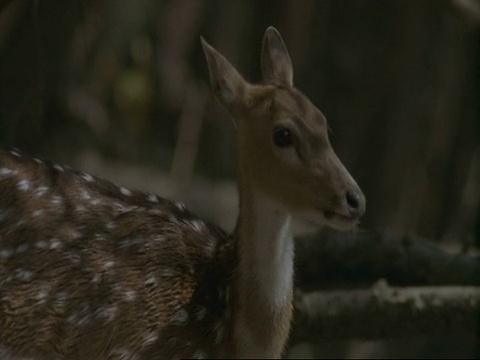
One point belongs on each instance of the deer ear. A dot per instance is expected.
(276, 63)
(227, 84)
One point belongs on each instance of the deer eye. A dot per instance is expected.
(282, 137)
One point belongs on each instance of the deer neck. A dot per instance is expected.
(264, 276)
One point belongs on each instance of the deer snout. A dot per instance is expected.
(349, 199)
(355, 202)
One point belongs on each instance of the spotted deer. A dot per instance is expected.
(90, 270)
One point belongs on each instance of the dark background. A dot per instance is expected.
(119, 88)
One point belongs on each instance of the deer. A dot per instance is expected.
(92, 270)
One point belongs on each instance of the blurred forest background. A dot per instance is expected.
(119, 88)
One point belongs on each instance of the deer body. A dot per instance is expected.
(89, 270)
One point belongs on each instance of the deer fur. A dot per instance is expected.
(90, 270)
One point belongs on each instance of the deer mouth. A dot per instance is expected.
(332, 214)
(340, 221)
(335, 220)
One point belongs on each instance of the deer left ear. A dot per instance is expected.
(227, 84)
(276, 63)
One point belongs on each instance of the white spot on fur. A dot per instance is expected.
(85, 195)
(125, 192)
(96, 278)
(56, 200)
(123, 208)
(108, 313)
(81, 317)
(149, 338)
(180, 206)
(72, 318)
(41, 190)
(159, 238)
(210, 246)
(100, 237)
(130, 295)
(6, 253)
(23, 274)
(74, 234)
(95, 202)
(37, 160)
(180, 317)
(150, 280)
(19, 223)
(75, 258)
(60, 299)
(42, 294)
(123, 354)
(55, 243)
(117, 287)
(126, 243)
(197, 225)
(110, 225)
(21, 248)
(59, 168)
(37, 213)
(199, 355)
(87, 177)
(152, 198)
(5, 171)
(109, 264)
(41, 244)
(169, 273)
(24, 185)
(14, 153)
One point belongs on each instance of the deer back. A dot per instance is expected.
(92, 270)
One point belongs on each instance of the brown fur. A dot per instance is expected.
(124, 276)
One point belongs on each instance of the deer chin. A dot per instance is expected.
(341, 222)
(329, 218)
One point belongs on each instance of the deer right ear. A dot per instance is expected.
(227, 84)
(276, 63)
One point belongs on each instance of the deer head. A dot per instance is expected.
(283, 145)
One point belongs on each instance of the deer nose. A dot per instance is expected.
(355, 202)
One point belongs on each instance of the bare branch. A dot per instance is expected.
(329, 258)
(385, 312)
